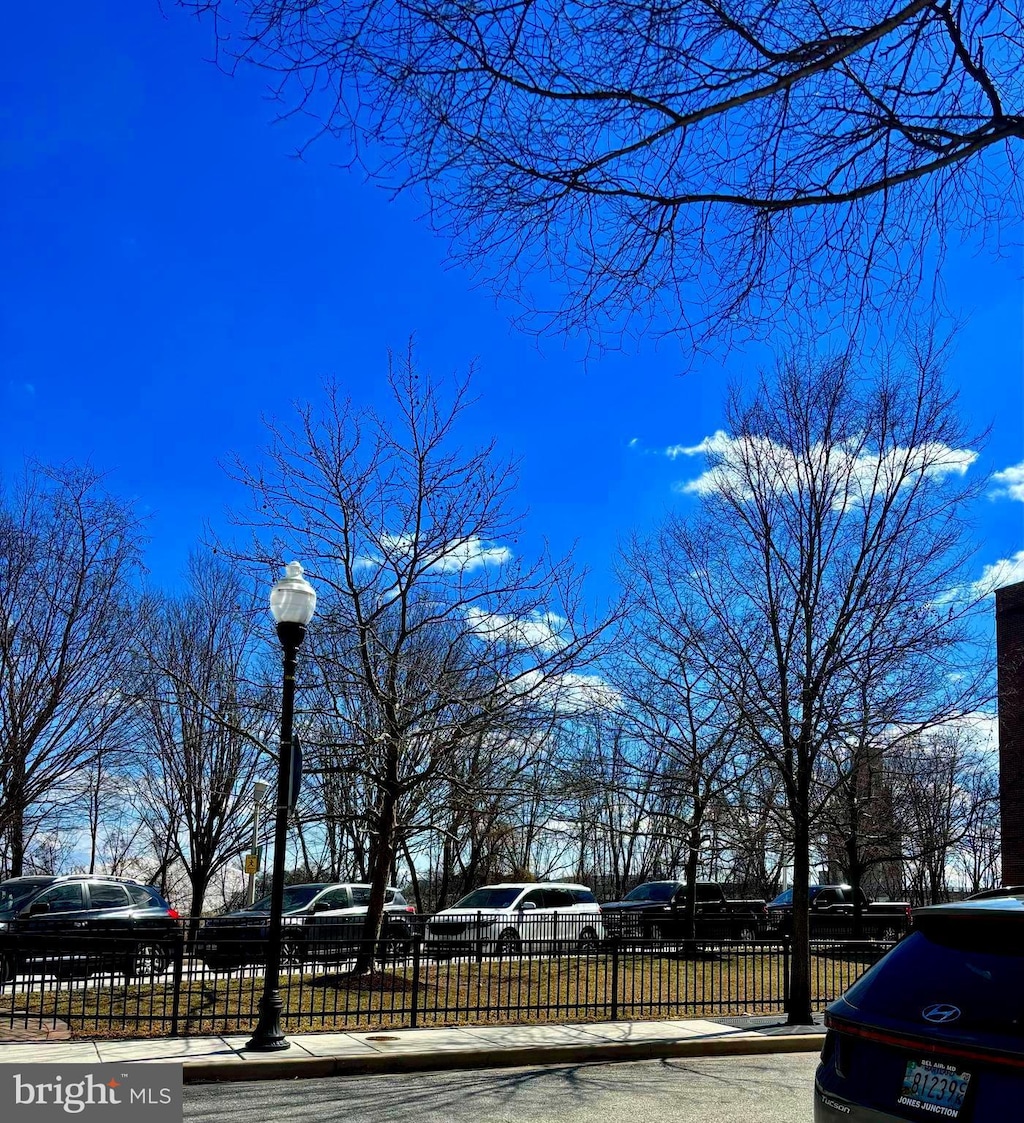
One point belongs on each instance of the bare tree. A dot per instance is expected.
(828, 550)
(430, 632)
(941, 799)
(672, 702)
(710, 162)
(69, 555)
(203, 723)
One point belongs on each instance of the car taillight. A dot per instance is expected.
(410, 908)
(911, 1040)
(174, 914)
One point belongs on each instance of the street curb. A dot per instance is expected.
(299, 1068)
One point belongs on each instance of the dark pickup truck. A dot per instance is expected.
(832, 915)
(657, 910)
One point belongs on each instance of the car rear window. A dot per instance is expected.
(978, 967)
(142, 896)
(106, 895)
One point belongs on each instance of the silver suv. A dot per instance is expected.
(322, 920)
(515, 916)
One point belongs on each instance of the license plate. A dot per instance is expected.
(934, 1087)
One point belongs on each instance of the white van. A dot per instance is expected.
(514, 917)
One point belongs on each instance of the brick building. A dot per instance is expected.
(1010, 669)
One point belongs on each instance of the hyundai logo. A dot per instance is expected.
(941, 1013)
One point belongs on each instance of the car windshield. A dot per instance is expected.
(784, 898)
(973, 965)
(295, 897)
(652, 891)
(488, 898)
(14, 893)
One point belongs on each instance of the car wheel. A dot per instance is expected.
(7, 969)
(890, 935)
(292, 953)
(146, 960)
(395, 947)
(588, 942)
(74, 969)
(747, 934)
(509, 942)
(213, 963)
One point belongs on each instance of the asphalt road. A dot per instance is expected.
(767, 1089)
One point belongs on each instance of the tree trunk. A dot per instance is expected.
(381, 861)
(690, 907)
(200, 884)
(855, 872)
(413, 878)
(799, 1013)
(16, 831)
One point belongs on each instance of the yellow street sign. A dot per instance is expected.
(252, 863)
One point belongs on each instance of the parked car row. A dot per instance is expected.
(94, 922)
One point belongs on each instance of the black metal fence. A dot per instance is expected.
(417, 981)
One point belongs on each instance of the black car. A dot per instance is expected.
(832, 911)
(323, 920)
(935, 1030)
(76, 924)
(657, 909)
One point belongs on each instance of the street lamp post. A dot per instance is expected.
(292, 602)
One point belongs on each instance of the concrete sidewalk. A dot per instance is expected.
(333, 1054)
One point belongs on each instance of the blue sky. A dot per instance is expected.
(171, 273)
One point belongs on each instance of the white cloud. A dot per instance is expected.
(856, 472)
(1009, 483)
(540, 630)
(461, 555)
(571, 693)
(468, 554)
(980, 727)
(714, 445)
(1006, 571)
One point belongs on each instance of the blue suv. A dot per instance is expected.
(935, 1030)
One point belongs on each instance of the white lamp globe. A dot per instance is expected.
(293, 598)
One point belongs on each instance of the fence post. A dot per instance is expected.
(417, 940)
(615, 978)
(479, 937)
(785, 972)
(179, 959)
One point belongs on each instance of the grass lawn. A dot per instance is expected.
(455, 992)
